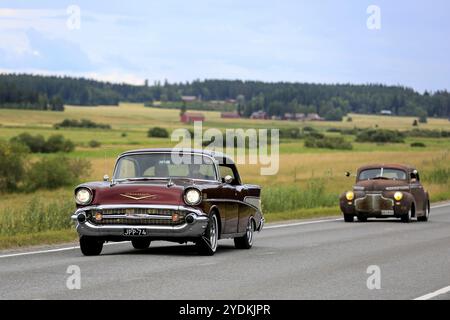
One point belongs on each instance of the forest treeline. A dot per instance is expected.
(328, 100)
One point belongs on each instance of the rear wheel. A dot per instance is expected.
(348, 218)
(207, 245)
(426, 216)
(140, 244)
(246, 242)
(91, 246)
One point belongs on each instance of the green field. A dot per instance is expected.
(299, 166)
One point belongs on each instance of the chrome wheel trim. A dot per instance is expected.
(427, 212)
(213, 235)
(250, 232)
(409, 214)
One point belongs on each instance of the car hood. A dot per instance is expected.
(141, 192)
(380, 185)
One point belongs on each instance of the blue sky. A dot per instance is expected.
(324, 41)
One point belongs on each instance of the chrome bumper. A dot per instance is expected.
(186, 230)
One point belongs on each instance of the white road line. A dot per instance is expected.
(434, 294)
(265, 227)
(300, 223)
(50, 250)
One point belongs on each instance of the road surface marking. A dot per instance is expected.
(300, 223)
(434, 294)
(265, 227)
(51, 250)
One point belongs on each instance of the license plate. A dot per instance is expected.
(135, 232)
(387, 212)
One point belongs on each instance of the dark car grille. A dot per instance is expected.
(138, 216)
(373, 203)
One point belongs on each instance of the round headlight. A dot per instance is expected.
(83, 196)
(398, 196)
(350, 195)
(192, 197)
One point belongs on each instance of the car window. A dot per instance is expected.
(162, 165)
(227, 171)
(386, 173)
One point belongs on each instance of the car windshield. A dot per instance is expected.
(165, 165)
(382, 173)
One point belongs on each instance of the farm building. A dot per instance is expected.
(294, 116)
(230, 115)
(189, 117)
(314, 117)
(188, 98)
(259, 115)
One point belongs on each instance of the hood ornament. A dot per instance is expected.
(138, 196)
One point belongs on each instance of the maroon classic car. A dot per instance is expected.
(179, 195)
(384, 191)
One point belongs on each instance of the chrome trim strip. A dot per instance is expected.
(233, 200)
(131, 217)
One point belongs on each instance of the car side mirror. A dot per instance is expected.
(348, 174)
(228, 179)
(105, 178)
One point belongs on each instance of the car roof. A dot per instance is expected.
(218, 156)
(387, 165)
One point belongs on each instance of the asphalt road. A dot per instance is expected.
(308, 260)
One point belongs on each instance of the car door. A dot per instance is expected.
(417, 191)
(229, 205)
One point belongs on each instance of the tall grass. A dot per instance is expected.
(36, 216)
(293, 197)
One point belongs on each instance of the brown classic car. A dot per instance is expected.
(179, 195)
(385, 191)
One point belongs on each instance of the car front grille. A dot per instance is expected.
(137, 217)
(373, 203)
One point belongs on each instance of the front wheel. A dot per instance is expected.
(90, 246)
(349, 218)
(246, 241)
(207, 245)
(426, 216)
(406, 218)
(140, 244)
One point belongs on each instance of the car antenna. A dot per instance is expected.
(170, 182)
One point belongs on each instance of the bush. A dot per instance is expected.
(55, 172)
(286, 198)
(158, 132)
(315, 135)
(418, 145)
(37, 215)
(349, 119)
(57, 143)
(425, 133)
(124, 135)
(83, 123)
(12, 165)
(94, 144)
(292, 133)
(337, 143)
(37, 144)
(415, 123)
(380, 136)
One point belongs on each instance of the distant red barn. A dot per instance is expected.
(189, 117)
(230, 115)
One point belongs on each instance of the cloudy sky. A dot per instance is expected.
(325, 41)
